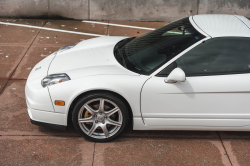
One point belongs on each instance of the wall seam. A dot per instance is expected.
(88, 9)
(198, 6)
(49, 8)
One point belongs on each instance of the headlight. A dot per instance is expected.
(54, 79)
(64, 48)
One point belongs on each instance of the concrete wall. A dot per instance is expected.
(135, 10)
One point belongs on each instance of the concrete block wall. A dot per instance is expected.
(124, 10)
(142, 10)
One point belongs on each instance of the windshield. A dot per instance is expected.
(147, 53)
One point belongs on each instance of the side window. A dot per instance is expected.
(226, 55)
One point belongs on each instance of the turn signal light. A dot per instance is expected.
(58, 102)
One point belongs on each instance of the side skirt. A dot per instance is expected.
(191, 124)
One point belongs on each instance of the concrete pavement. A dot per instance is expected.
(22, 143)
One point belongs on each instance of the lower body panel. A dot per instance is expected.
(49, 125)
(191, 124)
(47, 119)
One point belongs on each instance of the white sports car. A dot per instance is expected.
(191, 74)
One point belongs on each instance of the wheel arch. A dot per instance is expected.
(69, 114)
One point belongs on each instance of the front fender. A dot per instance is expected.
(127, 86)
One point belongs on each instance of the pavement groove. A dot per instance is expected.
(4, 83)
(231, 153)
(17, 79)
(11, 44)
(123, 136)
(224, 148)
(93, 155)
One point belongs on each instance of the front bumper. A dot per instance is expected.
(48, 119)
(40, 107)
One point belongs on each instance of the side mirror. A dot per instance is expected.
(177, 75)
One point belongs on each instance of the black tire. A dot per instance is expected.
(117, 100)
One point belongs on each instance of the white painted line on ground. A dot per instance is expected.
(119, 25)
(50, 29)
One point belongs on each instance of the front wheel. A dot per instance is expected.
(100, 116)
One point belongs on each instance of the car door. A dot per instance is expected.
(216, 92)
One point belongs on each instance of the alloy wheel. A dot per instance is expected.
(100, 118)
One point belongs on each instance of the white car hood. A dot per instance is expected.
(91, 57)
